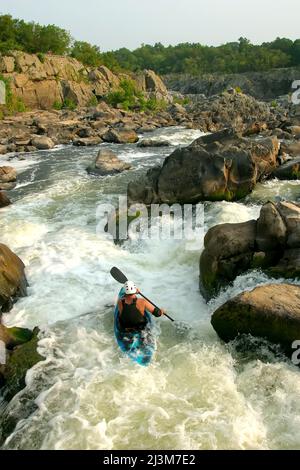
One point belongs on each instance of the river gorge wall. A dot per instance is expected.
(46, 81)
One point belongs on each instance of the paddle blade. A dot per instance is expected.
(118, 275)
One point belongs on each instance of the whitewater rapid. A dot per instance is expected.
(198, 393)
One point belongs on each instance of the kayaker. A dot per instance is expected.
(132, 309)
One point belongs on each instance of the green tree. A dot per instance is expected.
(86, 53)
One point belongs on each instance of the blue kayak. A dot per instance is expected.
(138, 345)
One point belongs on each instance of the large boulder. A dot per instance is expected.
(228, 252)
(8, 177)
(272, 243)
(13, 283)
(289, 170)
(270, 311)
(107, 163)
(220, 166)
(42, 142)
(120, 137)
(150, 83)
(271, 230)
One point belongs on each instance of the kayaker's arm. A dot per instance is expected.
(154, 310)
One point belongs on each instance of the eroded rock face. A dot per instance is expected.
(13, 282)
(271, 311)
(221, 166)
(107, 163)
(271, 243)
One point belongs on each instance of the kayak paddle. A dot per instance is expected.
(121, 278)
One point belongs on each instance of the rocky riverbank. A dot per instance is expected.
(18, 345)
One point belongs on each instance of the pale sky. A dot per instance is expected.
(112, 24)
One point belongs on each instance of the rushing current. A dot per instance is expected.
(198, 393)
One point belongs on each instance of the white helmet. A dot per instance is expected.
(130, 288)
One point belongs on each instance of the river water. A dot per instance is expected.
(198, 393)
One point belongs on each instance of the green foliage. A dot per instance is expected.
(195, 59)
(238, 89)
(128, 97)
(274, 104)
(66, 104)
(57, 105)
(69, 104)
(86, 53)
(13, 104)
(181, 101)
(32, 37)
(41, 57)
(93, 101)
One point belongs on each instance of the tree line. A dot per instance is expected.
(191, 58)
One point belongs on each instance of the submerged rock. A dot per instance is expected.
(13, 283)
(107, 163)
(270, 311)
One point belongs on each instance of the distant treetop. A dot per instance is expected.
(191, 58)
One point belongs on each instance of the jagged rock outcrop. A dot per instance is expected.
(270, 311)
(42, 82)
(272, 243)
(107, 163)
(221, 166)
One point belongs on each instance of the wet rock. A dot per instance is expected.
(220, 166)
(272, 243)
(87, 142)
(107, 163)
(8, 177)
(4, 200)
(295, 131)
(42, 142)
(270, 311)
(271, 230)
(120, 137)
(228, 252)
(153, 143)
(290, 212)
(289, 170)
(19, 361)
(13, 283)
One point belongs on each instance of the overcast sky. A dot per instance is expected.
(112, 24)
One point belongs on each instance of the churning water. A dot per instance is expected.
(198, 393)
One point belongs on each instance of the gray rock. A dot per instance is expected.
(107, 163)
(153, 143)
(42, 142)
